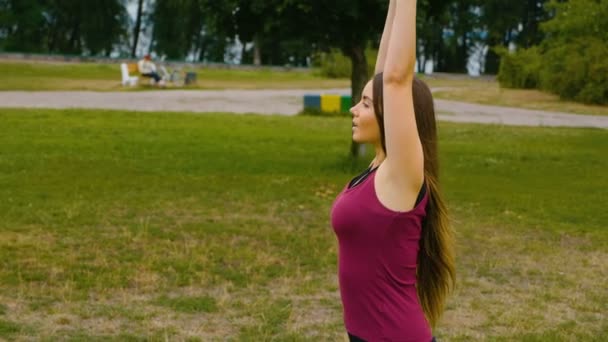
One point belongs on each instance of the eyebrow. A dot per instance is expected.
(365, 97)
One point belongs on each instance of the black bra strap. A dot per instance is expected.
(421, 194)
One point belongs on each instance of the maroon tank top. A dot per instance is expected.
(377, 258)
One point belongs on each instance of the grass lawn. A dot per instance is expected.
(106, 77)
(132, 226)
(489, 92)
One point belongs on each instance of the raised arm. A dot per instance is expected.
(386, 35)
(404, 156)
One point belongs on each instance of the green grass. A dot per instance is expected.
(8, 329)
(106, 77)
(488, 92)
(188, 304)
(151, 226)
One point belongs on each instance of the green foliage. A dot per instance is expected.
(72, 27)
(178, 26)
(520, 69)
(22, 25)
(572, 61)
(576, 51)
(577, 18)
(334, 64)
(501, 21)
(577, 70)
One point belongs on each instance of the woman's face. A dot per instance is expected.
(365, 125)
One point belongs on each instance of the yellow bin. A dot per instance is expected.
(330, 103)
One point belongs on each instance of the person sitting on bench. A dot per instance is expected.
(148, 69)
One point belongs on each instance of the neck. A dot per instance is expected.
(380, 155)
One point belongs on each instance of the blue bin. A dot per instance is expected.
(312, 102)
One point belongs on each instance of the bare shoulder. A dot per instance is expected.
(394, 190)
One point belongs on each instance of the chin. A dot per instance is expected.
(357, 140)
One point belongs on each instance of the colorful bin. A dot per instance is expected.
(330, 103)
(345, 104)
(312, 102)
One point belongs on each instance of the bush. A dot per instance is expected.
(577, 70)
(572, 61)
(334, 64)
(519, 69)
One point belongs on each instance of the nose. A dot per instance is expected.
(352, 110)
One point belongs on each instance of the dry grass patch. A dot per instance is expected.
(490, 93)
(514, 281)
(271, 84)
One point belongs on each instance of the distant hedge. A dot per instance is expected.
(576, 70)
(334, 64)
(572, 61)
(519, 70)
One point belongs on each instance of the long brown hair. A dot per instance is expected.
(436, 275)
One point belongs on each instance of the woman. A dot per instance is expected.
(396, 264)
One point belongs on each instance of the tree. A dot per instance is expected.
(62, 26)
(431, 19)
(509, 22)
(458, 38)
(500, 20)
(252, 23)
(263, 24)
(533, 14)
(136, 29)
(572, 60)
(22, 25)
(179, 26)
(575, 51)
(103, 24)
(345, 24)
(200, 28)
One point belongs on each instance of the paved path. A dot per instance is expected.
(286, 102)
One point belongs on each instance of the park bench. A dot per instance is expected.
(129, 69)
(126, 71)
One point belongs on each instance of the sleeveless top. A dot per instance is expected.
(377, 258)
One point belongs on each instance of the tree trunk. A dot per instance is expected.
(358, 78)
(492, 59)
(203, 49)
(151, 43)
(420, 57)
(464, 53)
(74, 41)
(243, 54)
(257, 51)
(137, 28)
